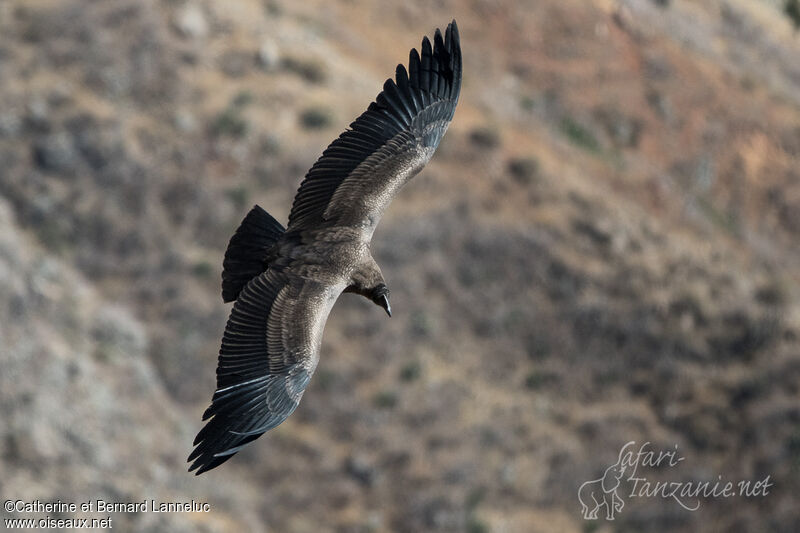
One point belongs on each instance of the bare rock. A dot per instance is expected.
(191, 22)
(268, 55)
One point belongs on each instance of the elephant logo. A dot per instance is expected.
(599, 493)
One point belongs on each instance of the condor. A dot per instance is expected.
(285, 281)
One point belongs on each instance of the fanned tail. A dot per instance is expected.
(247, 255)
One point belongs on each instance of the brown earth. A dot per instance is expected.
(604, 249)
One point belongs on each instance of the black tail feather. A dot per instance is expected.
(248, 251)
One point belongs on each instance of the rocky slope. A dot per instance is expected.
(603, 250)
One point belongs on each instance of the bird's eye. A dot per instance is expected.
(379, 291)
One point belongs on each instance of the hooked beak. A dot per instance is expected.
(383, 301)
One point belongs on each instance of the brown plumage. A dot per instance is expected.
(285, 281)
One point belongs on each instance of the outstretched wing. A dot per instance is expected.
(357, 176)
(268, 354)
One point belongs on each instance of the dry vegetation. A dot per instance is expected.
(604, 249)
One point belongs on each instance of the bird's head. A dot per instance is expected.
(380, 295)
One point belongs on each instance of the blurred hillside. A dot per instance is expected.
(604, 249)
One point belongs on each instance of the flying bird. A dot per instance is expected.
(284, 281)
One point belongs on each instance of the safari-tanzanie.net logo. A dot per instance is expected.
(627, 478)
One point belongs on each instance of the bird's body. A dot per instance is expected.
(286, 281)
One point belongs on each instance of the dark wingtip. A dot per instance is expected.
(197, 471)
(452, 29)
(202, 463)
